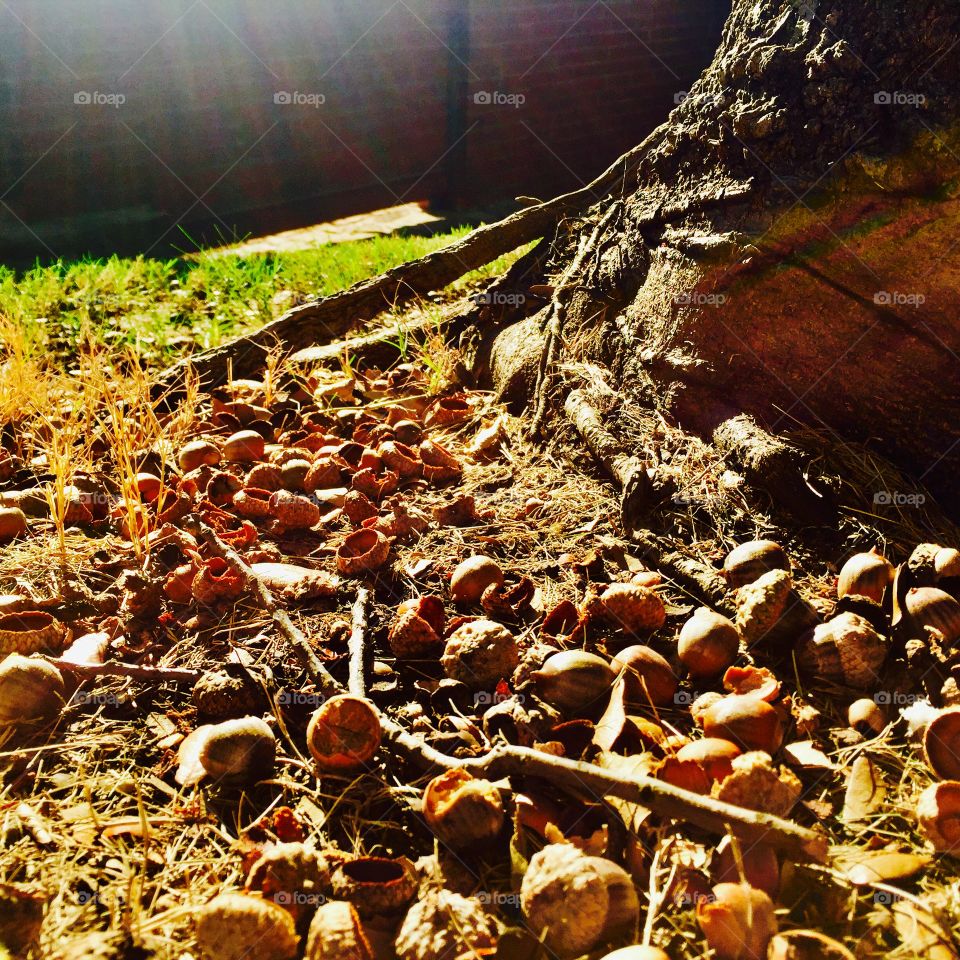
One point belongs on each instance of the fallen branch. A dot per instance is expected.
(662, 798)
(132, 670)
(356, 681)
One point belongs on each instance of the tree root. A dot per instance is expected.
(662, 798)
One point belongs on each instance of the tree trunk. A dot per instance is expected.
(787, 244)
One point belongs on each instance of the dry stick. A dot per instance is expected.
(662, 798)
(132, 670)
(356, 681)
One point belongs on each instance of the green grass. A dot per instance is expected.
(159, 310)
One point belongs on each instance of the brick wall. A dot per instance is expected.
(199, 140)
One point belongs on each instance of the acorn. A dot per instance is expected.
(746, 720)
(31, 631)
(472, 577)
(577, 903)
(866, 717)
(230, 925)
(13, 523)
(632, 607)
(480, 654)
(148, 486)
(845, 649)
(196, 454)
(574, 681)
(407, 431)
(755, 864)
(946, 563)
(749, 561)
(293, 473)
(337, 933)
(938, 813)
(462, 810)
(738, 922)
(294, 512)
(375, 885)
(30, 688)
(867, 575)
(708, 643)
(932, 607)
(239, 751)
(344, 733)
(244, 446)
(713, 755)
(362, 551)
(941, 744)
(649, 678)
(761, 604)
(442, 925)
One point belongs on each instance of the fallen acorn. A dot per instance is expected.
(148, 486)
(713, 755)
(30, 631)
(845, 649)
(264, 476)
(737, 922)
(867, 717)
(636, 952)
(442, 925)
(946, 563)
(631, 607)
(407, 432)
(575, 681)
(577, 903)
(746, 720)
(480, 654)
(806, 945)
(336, 933)
(648, 677)
(13, 523)
(941, 744)
(196, 454)
(244, 446)
(293, 511)
(755, 864)
(362, 551)
(237, 751)
(417, 628)
(761, 603)
(358, 508)
(933, 607)
(344, 734)
(472, 578)
(293, 474)
(375, 885)
(749, 561)
(462, 810)
(292, 875)
(325, 473)
(867, 575)
(228, 925)
(30, 688)
(708, 643)
(938, 813)
(216, 582)
(253, 503)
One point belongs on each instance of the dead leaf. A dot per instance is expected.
(88, 649)
(865, 791)
(191, 771)
(885, 866)
(804, 754)
(610, 726)
(921, 933)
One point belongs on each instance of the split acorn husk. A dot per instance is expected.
(938, 813)
(344, 734)
(462, 810)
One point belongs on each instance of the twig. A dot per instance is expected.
(659, 796)
(356, 681)
(133, 670)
